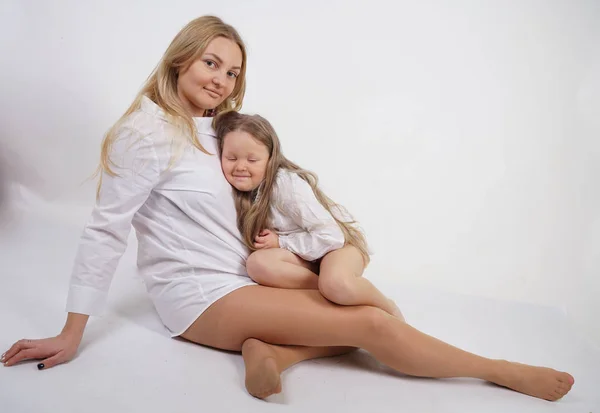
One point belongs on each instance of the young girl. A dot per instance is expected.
(288, 222)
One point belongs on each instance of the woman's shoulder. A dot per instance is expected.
(140, 128)
(143, 125)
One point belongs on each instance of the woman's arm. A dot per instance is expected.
(75, 325)
(51, 351)
(102, 244)
(104, 239)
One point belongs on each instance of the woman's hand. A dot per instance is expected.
(51, 351)
(266, 239)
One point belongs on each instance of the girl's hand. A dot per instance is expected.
(51, 351)
(266, 239)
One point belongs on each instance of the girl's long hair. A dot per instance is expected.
(254, 211)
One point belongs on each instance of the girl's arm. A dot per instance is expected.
(321, 234)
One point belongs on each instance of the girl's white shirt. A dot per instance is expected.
(304, 226)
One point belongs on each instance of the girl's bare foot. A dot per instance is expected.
(262, 373)
(540, 382)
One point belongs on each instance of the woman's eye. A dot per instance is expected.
(210, 63)
(232, 75)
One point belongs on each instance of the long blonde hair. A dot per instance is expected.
(253, 207)
(161, 86)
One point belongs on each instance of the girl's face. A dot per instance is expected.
(244, 160)
(211, 78)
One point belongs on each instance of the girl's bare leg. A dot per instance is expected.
(276, 267)
(341, 281)
(265, 363)
(306, 318)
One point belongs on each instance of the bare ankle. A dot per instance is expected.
(496, 371)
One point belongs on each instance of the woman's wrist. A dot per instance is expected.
(74, 326)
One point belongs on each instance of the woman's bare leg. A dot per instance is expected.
(276, 267)
(306, 318)
(265, 362)
(341, 281)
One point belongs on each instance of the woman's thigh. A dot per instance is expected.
(281, 316)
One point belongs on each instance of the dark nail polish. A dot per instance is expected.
(40, 366)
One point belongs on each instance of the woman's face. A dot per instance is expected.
(211, 78)
(244, 160)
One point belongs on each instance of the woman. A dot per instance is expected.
(160, 172)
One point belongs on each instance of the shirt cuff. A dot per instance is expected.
(86, 300)
(284, 244)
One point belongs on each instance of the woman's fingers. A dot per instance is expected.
(26, 354)
(58, 358)
(52, 351)
(15, 348)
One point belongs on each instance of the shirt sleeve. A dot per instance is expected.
(104, 237)
(321, 234)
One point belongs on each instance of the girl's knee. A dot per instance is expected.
(337, 288)
(257, 266)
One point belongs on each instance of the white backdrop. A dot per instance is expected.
(462, 134)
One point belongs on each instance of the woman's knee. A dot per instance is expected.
(375, 322)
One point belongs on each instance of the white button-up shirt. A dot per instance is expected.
(190, 251)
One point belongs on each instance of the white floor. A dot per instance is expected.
(127, 362)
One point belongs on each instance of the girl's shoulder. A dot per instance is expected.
(289, 185)
(287, 180)
(283, 176)
(284, 195)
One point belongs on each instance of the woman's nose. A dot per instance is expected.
(217, 79)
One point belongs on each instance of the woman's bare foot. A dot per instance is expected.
(262, 373)
(540, 382)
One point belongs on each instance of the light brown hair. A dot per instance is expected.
(161, 86)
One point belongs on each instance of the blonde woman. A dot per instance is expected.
(160, 172)
(288, 222)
